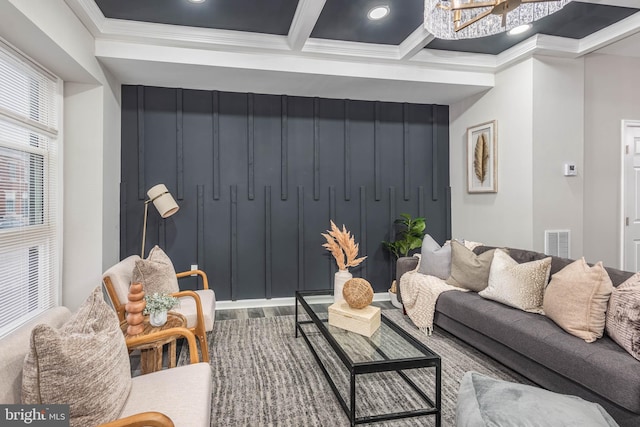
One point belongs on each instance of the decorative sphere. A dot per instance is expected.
(357, 292)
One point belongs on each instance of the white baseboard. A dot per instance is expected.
(274, 302)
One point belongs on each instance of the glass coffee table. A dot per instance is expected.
(390, 351)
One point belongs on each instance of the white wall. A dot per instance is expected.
(558, 133)
(538, 104)
(506, 217)
(49, 32)
(612, 94)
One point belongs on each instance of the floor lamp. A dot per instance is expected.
(164, 203)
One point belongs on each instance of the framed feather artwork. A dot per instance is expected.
(482, 158)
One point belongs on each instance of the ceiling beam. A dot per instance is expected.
(304, 20)
(414, 43)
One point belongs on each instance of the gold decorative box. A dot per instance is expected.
(363, 321)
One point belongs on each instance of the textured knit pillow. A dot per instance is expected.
(468, 270)
(156, 273)
(85, 364)
(517, 285)
(577, 297)
(435, 260)
(623, 315)
(484, 401)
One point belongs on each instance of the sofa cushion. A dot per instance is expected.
(468, 270)
(604, 367)
(156, 273)
(435, 260)
(484, 401)
(577, 297)
(623, 315)
(517, 285)
(84, 364)
(521, 255)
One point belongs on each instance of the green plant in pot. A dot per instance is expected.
(157, 307)
(409, 237)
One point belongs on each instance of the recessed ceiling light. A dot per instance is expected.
(196, 1)
(378, 12)
(519, 29)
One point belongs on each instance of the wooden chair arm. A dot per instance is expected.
(202, 274)
(199, 313)
(154, 336)
(152, 419)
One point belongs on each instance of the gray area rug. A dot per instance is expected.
(264, 376)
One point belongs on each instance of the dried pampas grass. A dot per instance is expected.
(342, 246)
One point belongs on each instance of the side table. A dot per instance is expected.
(151, 353)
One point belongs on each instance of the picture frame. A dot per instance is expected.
(482, 158)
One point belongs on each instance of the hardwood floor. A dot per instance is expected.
(285, 310)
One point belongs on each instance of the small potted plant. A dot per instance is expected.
(408, 238)
(157, 307)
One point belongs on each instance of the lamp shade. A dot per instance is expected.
(163, 200)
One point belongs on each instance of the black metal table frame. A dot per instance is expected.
(372, 367)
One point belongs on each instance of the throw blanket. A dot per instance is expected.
(419, 295)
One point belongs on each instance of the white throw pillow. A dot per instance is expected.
(517, 285)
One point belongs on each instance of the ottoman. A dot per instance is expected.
(484, 401)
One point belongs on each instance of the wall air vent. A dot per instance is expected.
(556, 243)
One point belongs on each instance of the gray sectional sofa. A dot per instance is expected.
(534, 346)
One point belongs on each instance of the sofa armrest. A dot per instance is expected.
(143, 419)
(403, 265)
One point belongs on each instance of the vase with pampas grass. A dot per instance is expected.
(344, 249)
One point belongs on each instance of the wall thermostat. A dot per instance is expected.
(570, 169)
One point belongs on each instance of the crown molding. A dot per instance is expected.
(611, 34)
(305, 18)
(89, 14)
(174, 35)
(353, 49)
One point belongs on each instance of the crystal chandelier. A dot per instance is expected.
(465, 19)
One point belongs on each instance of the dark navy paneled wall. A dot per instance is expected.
(258, 177)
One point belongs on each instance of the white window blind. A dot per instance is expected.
(29, 209)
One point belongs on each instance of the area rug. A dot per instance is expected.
(264, 376)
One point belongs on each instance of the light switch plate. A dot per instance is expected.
(194, 267)
(570, 169)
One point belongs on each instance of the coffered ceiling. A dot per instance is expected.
(329, 47)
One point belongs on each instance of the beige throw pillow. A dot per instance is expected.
(156, 273)
(623, 315)
(468, 270)
(84, 364)
(576, 299)
(517, 285)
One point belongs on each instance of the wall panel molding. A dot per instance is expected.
(347, 152)
(258, 176)
(215, 124)
(141, 153)
(316, 149)
(251, 174)
(179, 147)
(284, 150)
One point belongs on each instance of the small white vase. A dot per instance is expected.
(158, 318)
(338, 283)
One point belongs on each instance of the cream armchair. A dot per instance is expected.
(180, 396)
(198, 307)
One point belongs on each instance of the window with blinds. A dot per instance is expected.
(29, 195)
